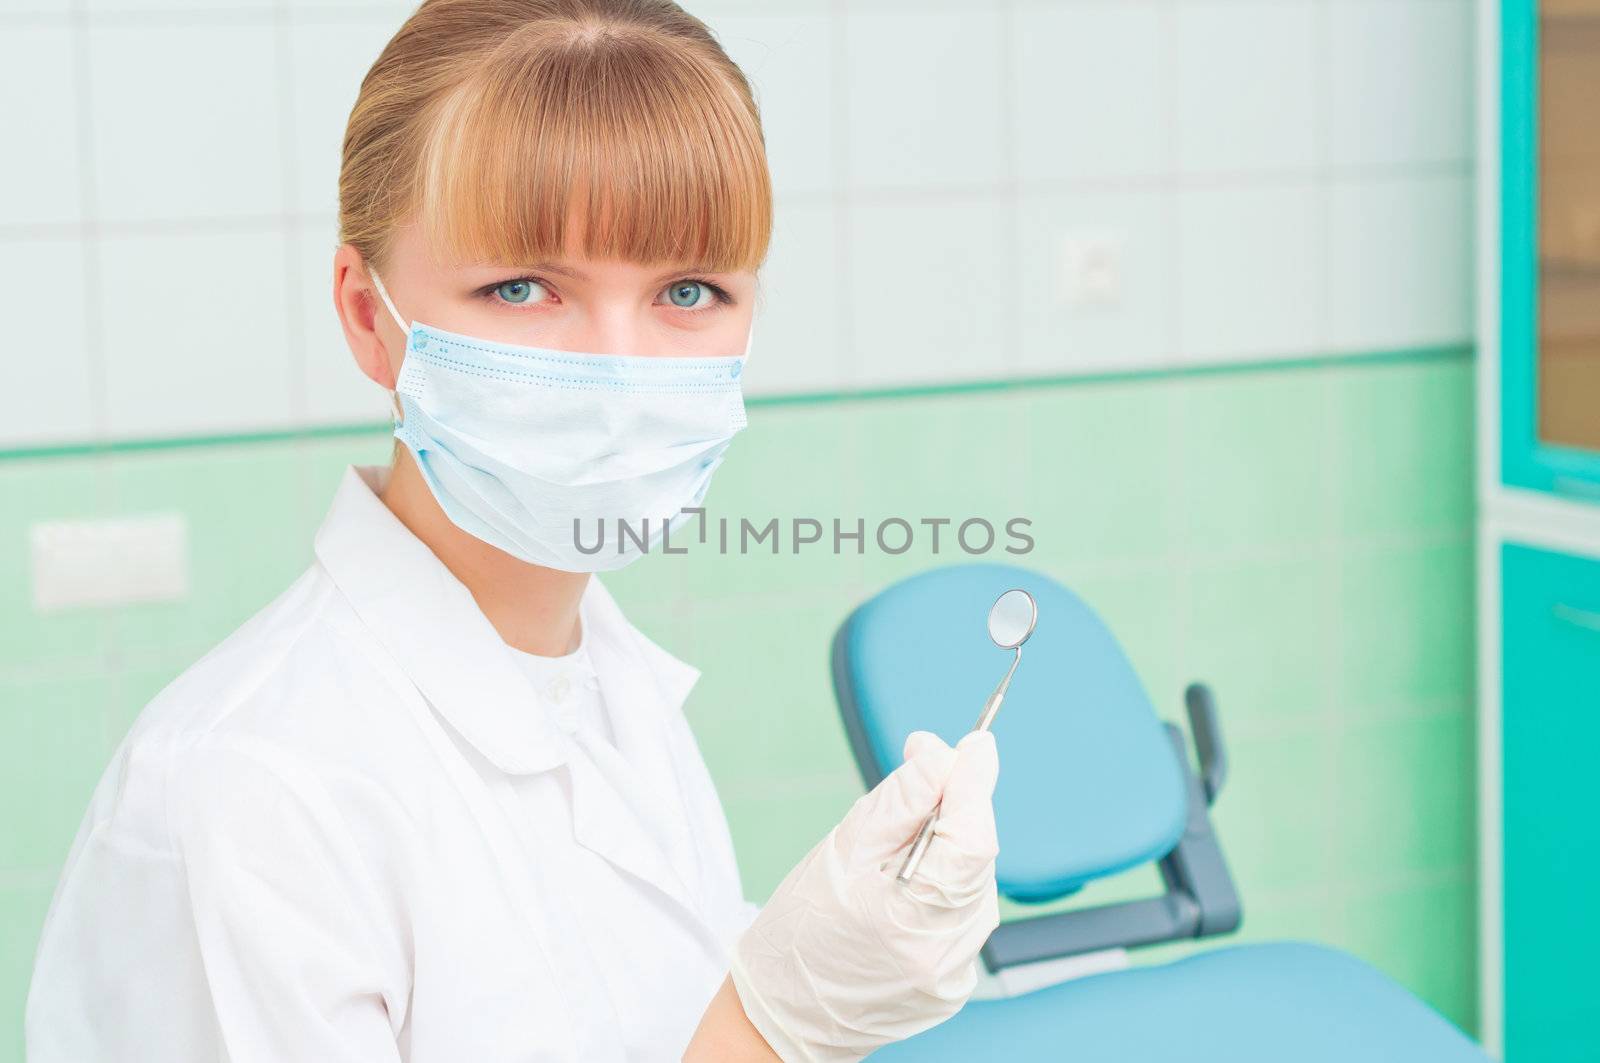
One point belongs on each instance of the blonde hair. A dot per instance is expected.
(488, 121)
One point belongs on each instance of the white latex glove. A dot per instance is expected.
(843, 958)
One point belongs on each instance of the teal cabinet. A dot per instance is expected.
(1539, 530)
(1551, 804)
(1549, 276)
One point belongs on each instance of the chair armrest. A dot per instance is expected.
(1207, 734)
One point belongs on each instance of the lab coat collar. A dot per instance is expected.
(433, 628)
(437, 635)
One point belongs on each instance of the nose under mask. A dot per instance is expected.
(544, 453)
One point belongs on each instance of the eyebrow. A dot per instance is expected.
(566, 271)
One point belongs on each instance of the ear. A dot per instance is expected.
(375, 340)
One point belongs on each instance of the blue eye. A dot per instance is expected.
(515, 291)
(687, 293)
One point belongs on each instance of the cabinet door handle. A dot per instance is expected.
(1579, 617)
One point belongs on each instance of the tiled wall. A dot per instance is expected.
(1277, 177)
(1281, 179)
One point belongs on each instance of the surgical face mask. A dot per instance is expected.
(538, 451)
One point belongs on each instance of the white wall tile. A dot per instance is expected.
(1246, 86)
(46, 394)
(399, 9)
(798, 344)
(1400, 262)
(1400, 82)
(336, 391)
(1060, 334)
(39, 182)
(326, 66)
(1249, 272)
(923, 98)
(932, 291)
(45, 9)
(789, 62)
(185, 121)
(195, 333)
(709, 10)
(260, 8)
(1090, 90)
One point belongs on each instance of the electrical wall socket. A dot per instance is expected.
(1091, 268)
(110, 561)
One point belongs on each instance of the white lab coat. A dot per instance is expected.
(350, 832)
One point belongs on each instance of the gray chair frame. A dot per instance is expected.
(1199, 898)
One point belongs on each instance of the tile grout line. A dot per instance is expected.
(1178, 423)
(89, 233)
(295, 324)
(845, 368)
(94, 310)
(1170, 187)
(1332, 406)
(287, 174)
(1006, 60)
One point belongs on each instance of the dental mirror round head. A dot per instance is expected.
(1012, 618)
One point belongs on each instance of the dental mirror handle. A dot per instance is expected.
(919, 845)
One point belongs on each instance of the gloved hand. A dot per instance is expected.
(843, 958)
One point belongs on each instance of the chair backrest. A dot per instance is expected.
(1089, 783)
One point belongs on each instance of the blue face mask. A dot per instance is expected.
(536, 451)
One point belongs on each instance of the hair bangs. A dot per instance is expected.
(605, 144)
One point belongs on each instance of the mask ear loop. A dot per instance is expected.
(394, 399)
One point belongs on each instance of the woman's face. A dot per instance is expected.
(668, 310)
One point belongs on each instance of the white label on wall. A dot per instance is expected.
(110, 561)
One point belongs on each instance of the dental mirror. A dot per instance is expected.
(1011, 622)
(1012, 618)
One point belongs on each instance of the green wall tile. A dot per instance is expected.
(1254, 461)
(1405, 625)
(1407, 805)
(1406, 446)
(1425, 937)
(41, 490)
(1277, 812)
(939, 457)
(52, 751)
(1099, 465)
(1260, 634)
(247, 537)
(763, 709)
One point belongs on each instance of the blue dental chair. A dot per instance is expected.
(1092, 783)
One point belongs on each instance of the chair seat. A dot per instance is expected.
(1242, 1004)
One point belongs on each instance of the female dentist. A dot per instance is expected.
(438, 800)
